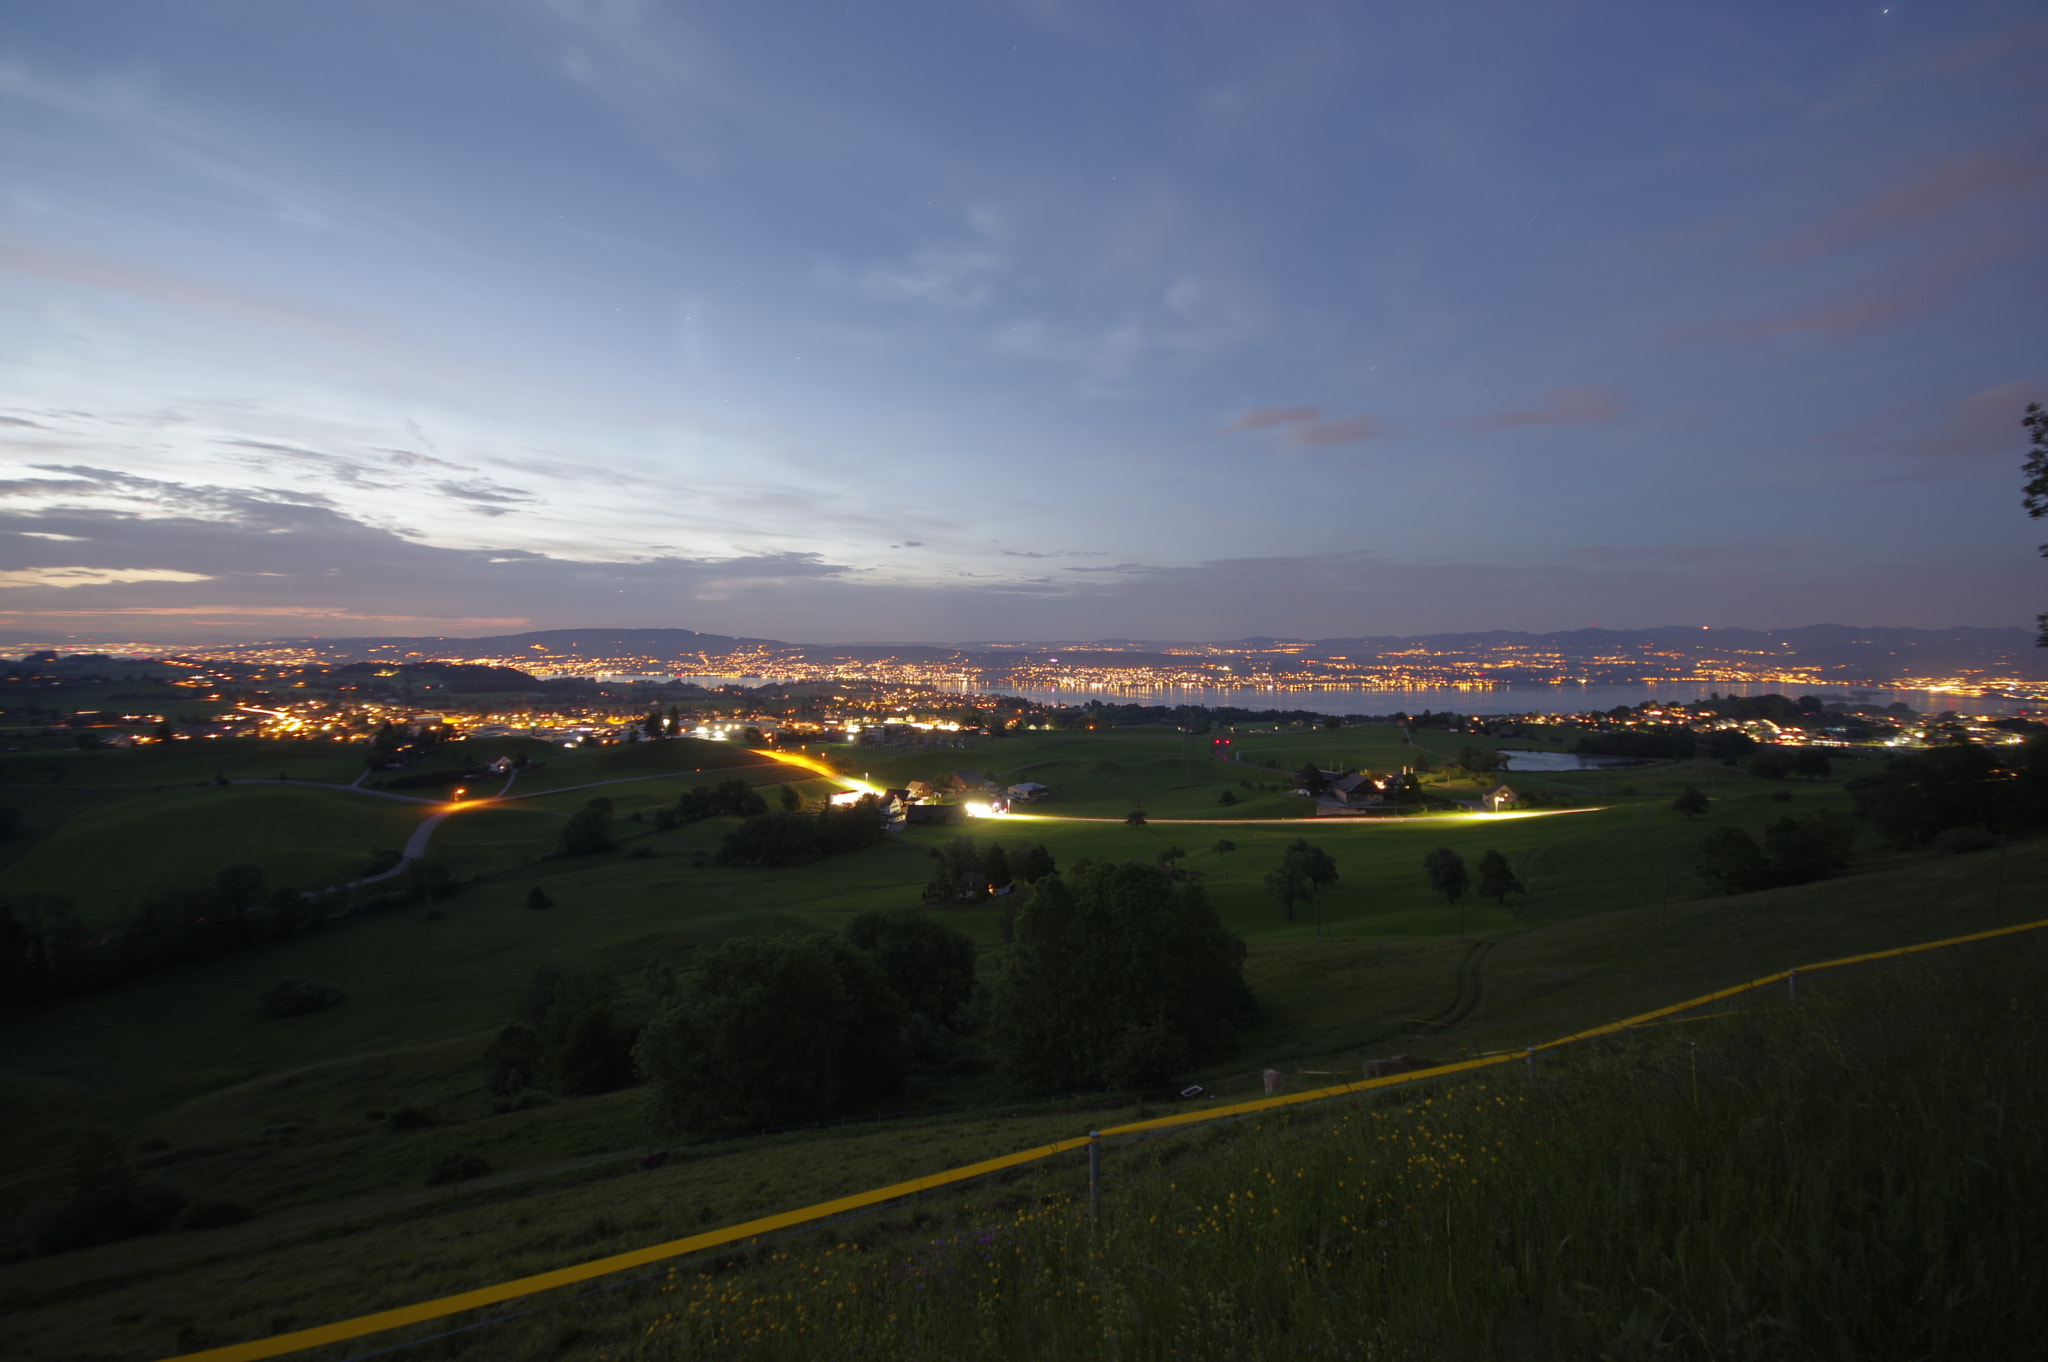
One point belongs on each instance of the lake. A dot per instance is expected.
(1562, 761)
(1506, 698)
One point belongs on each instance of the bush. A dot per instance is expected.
(449, 1168)
(408, 1118)
(1959, 840)
(216, 1214)
(297, 997)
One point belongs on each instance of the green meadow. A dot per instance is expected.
(277, 1114)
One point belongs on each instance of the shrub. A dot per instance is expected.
(448, 1168)
(1959, 840)
(296, 997)
(408, 1118)
(216, 1214)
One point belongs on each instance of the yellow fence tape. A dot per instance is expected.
(280, 1344)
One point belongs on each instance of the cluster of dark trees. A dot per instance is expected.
(1448, 876)
(970, 872)
(788, 838)
(47, 952)
(1914, 799)
(567, 1035)
(732, 798)
(1792, 851)
(1776, 763)
(1665, 744)
(1117, 974)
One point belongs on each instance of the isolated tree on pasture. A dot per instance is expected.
(1136, 818)
(1226, 798)
(1809, 763)
(1690, 802)
(1497, 878)
(537, 897)
(790, 800)
(588, 831)
(1446, 870)
(1171, 855)
(1303, 872)
(1224, 846)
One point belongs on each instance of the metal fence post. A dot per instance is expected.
(1094, 1175)
(1792, 984)
(1529, 1058)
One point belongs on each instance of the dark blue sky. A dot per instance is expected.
(1032, 319)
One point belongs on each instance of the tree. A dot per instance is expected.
(774, 1030)
(1480, 760)
(1809, 763)
(537, 898)
(1332, 721)
(1224, 846)
(652, 725)
(1446, 870)
(1171, 855)
(1731, 861)
(1226, 798)
(928, 964)
(1136, 818)
(995, 865)
(1309, 779)
(2035, 492)
(1769, 765)
(1035, 864)
(772, 840)
(597, 1054)
(516, 1060)
(588, 831)
(1107, 948)
(1497, 878)
(1303, 872)
(790, 800)
(1690, 802)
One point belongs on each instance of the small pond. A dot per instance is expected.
(1562, 761)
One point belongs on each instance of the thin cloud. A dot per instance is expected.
(1565, 405)
(1306, 426)
(1945, 189)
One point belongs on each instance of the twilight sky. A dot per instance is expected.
(1017, 318)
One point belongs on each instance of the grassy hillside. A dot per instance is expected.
(110, 856)
(276, 1113)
